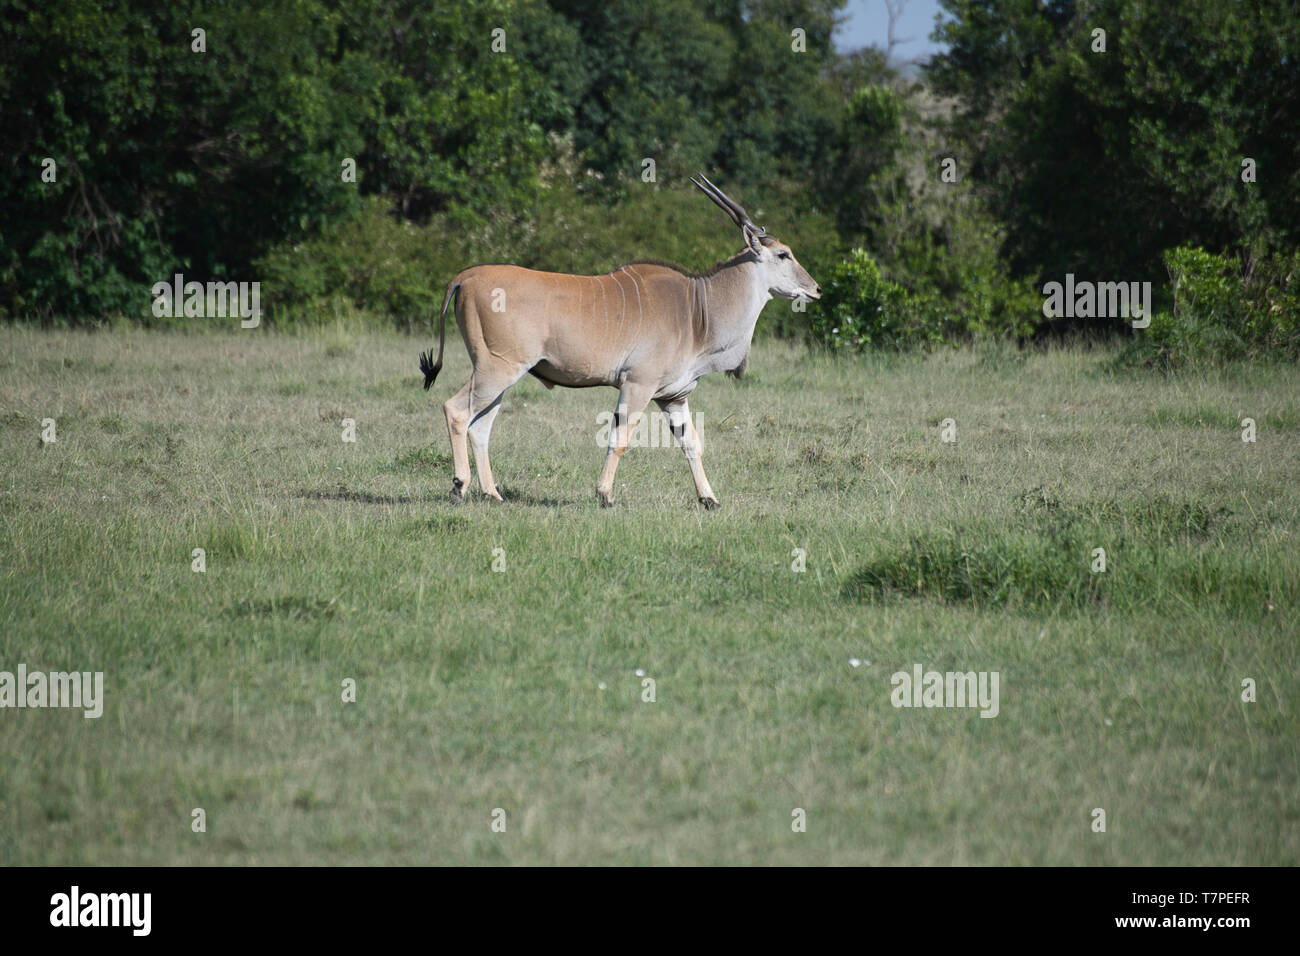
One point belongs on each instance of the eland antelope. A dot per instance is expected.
(649, 329)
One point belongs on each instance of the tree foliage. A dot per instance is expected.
(519, 130)
(169, 159)
(1096, 162)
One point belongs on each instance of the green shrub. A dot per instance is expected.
(1223, 310)
(944, 244)
(373, 264)
(860, 309)
(1272, 297)
(863, 308)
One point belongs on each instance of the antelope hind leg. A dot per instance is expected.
(456, 409)
(479, 434)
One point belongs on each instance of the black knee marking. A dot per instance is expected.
(678, 430)
(495, 402)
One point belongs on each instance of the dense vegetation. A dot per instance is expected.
(933, 208)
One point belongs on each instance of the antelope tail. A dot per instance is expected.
(429, 367)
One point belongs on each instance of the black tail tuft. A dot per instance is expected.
(429, 369)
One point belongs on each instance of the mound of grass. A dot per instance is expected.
(1159, 554)
(422, 459)
(292, 607)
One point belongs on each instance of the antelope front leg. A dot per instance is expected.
(679, 419)
(631, 404)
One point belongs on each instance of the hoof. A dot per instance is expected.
(457, 495)
(605, 500)
(710, 504)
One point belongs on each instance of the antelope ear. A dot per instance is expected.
(751, 240)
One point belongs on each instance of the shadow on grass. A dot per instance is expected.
(292, 607)
(360, 497)
(514, 497)
(474, 497)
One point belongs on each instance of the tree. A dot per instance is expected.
(1095, 161)
(174, 159)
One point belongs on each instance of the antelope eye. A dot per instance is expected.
(783, 255)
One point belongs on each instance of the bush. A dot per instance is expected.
(1272, 299)
(860, 309)
(393, 270)
(1224, 310)
(949, 255)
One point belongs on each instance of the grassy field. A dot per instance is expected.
(518, 689)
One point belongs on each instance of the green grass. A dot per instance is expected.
(479, 690)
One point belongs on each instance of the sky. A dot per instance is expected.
(867, 25)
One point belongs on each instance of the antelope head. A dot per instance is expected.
(781, 273)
